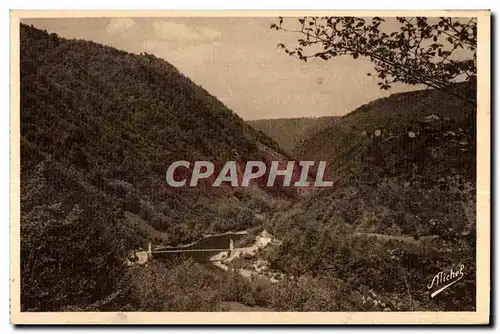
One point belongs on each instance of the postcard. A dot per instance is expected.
(250, 167)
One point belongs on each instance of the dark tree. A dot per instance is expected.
(435, 52)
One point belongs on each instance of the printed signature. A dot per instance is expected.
(451, 277)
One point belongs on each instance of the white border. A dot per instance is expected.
(186, 4)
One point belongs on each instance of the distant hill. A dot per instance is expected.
(288, 132)
(403, 167)
(421, 141)
(427, 131)
(99, 127)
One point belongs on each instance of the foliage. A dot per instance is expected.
(359, 273)
(180, 287)
(410, 50)
(72, 247)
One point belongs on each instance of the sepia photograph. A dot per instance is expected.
(246, 167)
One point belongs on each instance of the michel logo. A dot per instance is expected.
(449, 278)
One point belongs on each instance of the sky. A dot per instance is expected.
(237, 60)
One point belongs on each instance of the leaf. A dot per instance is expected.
(411, 42)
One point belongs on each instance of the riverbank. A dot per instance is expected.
(248, 262)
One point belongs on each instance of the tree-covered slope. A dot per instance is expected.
(99, 128)
(429, 131)
(402, 207)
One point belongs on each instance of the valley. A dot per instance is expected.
(100, 127)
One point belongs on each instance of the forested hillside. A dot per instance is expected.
(99, 128)
(403, 202)
(288, 132)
